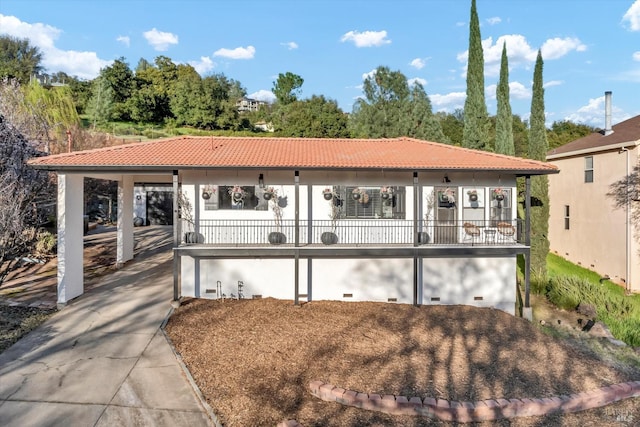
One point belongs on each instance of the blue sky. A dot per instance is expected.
(588, 46)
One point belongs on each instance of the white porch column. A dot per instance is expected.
(125, 220)
(70, 237)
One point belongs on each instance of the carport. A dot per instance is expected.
(70, 274)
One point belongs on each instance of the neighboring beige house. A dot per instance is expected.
(584, 225)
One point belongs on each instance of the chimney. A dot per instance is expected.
(607, 113)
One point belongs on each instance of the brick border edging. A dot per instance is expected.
(483, 410)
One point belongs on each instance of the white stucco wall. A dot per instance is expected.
(480, 282)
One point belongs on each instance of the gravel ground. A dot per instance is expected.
(253, 360)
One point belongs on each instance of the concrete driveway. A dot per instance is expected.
(103, 360)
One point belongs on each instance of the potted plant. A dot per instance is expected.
(327, 193)
(386, 193)
(356, 193)
(446, 198)
(499, 193)
(269, 193)
(276, 237)
(186, 214)
(360, 195)
(237, 193)
(335, 206)
(208, 192)
(473, 195)
(423, 236)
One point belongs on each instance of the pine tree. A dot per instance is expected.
(424, 124)
(538, 147)
(504, 117)
(476, 117)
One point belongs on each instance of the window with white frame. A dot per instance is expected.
(588, 169)
(238, 197)
(372, 202)
(566, 217)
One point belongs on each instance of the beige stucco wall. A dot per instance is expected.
(598, 238)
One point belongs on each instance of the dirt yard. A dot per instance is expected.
(254, 359)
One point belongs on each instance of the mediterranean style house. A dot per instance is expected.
(584, 225)
(394, 220)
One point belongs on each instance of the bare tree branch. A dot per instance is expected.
(626, 193)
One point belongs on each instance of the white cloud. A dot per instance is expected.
(290, 45)
(366, 38)
(40, 35)
(636, 56)
(203, 66)
(449, 101)
(593, 113)
(125, 40)
(460, 24)
(160, 40)
(557, 48)
(419, 63)
(415, 80)
(84, 65)
(518, 91)
(263, 95)
(552, 83)
(495, 20)
(237, 53)
(633, 16)
(519, 51)
(371, 73)
(490, 91)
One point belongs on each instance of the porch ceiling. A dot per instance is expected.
(190, 152)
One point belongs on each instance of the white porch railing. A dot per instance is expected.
(356, 232)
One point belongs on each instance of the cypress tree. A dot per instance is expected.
(504, 117)
(476, 120)
(538, 147)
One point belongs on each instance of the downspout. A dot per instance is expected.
(527, 239)
(627, 231)
(176, 237)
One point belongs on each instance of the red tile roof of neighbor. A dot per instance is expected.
(188, 152)
(627, 131)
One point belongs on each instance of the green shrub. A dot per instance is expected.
(46, 243)
(562, 292)
(620, 313)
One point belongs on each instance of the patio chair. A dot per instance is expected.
(507, 230)
(471, 231)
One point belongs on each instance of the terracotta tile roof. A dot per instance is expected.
(301, 153)
(626, 131)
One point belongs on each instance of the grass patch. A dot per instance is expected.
(568, 285)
